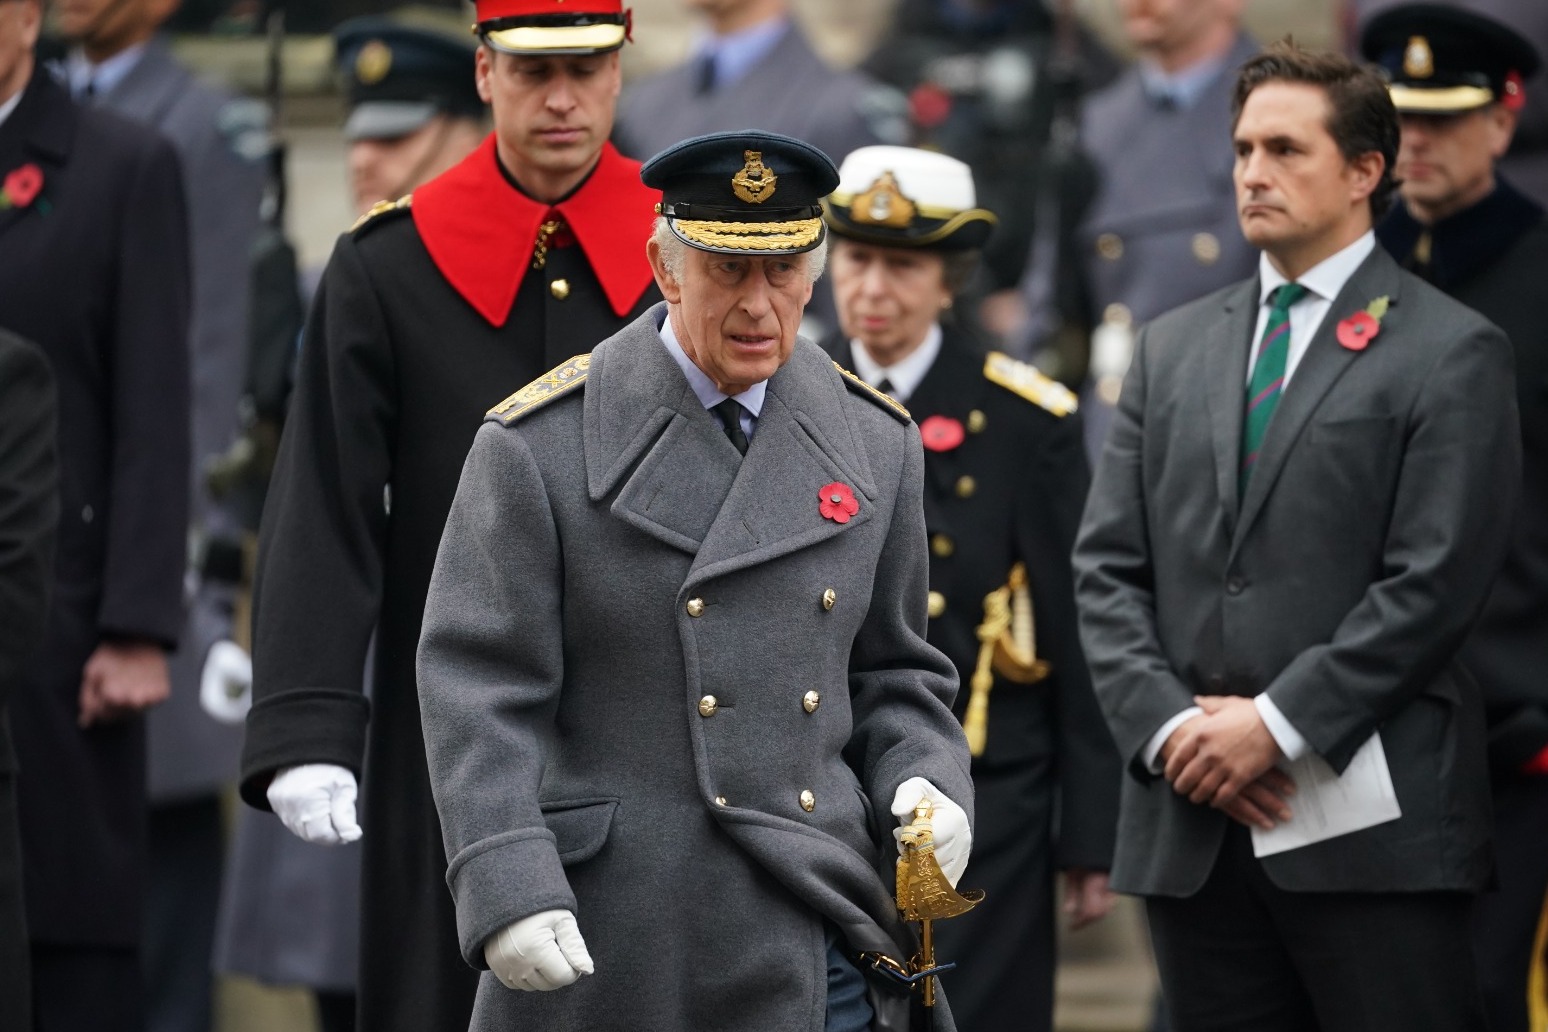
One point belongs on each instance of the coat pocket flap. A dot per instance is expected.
(580, 826)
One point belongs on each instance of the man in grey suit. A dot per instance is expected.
(1306, 493)
(673, 671)
(118, 62)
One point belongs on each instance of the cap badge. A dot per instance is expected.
(373, 62)
(883, 204)
(1418, 61)
(756, 181)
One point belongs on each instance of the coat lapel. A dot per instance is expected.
(803, 442)
(645, 429)
(39, 130)
(150, 88)
(1225, 368)
(1320, 368)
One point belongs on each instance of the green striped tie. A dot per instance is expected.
(1268, 376)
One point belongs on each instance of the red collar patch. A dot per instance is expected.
(480, 231)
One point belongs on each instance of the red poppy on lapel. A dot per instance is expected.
(21, 186)
(1361, 328)
(941, 433)
(837, 502)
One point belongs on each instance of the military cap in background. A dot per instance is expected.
(538, 28)
(743, 192)
(1446, 60)
(397, 77)
(906, 197)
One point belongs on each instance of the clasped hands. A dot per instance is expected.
(546, 951)
(1226, 757)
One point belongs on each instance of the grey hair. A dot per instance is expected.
(674, 251)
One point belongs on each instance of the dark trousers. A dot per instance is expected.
(848, 1010)
(1505, 920)
(186, 842)
(80, 988)
(1243, 955)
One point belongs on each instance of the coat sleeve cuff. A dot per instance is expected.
(503, 879)
(303, 725)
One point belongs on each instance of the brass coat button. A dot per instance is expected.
(1206, 248)
(708, 705)
(937, 603)
(560, 288)
(829, 598)
(977, 421)
(966, 486)
(808, 801)
(942, 546)
(810, 701)
(720, 800)
(695, 607)
(1110, 246)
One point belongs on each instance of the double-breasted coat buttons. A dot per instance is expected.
(808, 800)
(829, 598)
(810, 701)
(695, 607)
(708, 705)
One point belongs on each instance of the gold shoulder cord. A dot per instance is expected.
(1007, 646)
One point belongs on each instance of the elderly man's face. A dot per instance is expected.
(736, 316)
(1446, 162)
(19, 22)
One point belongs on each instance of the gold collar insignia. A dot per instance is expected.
(756, 181)
(883, 205)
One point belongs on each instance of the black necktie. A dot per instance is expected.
(730, 413)
(885, 386)
(704, 75)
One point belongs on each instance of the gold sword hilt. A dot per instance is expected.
(924, 893)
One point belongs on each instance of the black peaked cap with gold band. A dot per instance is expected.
(905, 197)
(397, 77)
(1443, 60)
(750, 192)
(553, 28)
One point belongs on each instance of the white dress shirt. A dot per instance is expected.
(80, 72)
(10, 105)
(751, 400)
(1323, 282)
(904, 375)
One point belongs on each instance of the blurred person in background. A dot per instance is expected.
(1161, 226)
(1005, 480)
(116, 60)
(1457, 81)
(29, 514)
(529, 250)
(290, 910)
(94, 269)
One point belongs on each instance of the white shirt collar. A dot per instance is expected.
(1326, 278)
(905, 374)
(10, 105)
(105, 76)
(703, 387)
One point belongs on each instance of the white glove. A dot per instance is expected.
(953, 837)
(543, 952)
(317, 802)
(226, 686)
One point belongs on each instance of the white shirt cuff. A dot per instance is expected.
(1285, 735)
(1152, 752)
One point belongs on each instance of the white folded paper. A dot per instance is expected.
(1326, 805)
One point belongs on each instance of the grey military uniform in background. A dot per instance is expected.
(662, 691)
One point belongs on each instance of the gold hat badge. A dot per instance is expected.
(883, 204)
(373, 62)
(1418, 60)
(756, 181)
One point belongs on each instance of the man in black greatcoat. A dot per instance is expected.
(432, 309)
(1457, 85)
(94, 269)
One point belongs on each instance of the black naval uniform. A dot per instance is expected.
(429, 313)
(1493, 257)
(1046, 787)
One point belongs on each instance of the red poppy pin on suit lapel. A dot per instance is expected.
(1361, 328)
(21, 187)
(837, 502)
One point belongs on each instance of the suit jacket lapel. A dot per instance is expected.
(645, 428)
(1225, 368)
(803, 442)
(39, 130)
(149, 89)
(1324, 362)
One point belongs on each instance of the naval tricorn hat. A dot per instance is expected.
(1444, 60)
(397, 77)
(542, 28)
(906, 197)
(743, 192)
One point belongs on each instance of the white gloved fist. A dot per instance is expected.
(317, 802)
(949, 826)
(542, 952)
(226, 685)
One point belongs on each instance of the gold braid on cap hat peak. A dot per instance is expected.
(769, 236)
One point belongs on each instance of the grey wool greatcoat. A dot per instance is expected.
(1342, 583)
(609, 564)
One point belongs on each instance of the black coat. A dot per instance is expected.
(95, 271)
(1047, 784)
(1493, 258)
(398, 368)
(29, 512)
